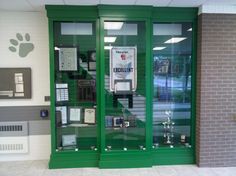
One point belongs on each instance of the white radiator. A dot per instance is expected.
(14, 144)
(14, 137)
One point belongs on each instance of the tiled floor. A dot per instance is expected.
(39, 168)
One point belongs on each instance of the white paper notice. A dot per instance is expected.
(18, 78)
(19, 94)
(62, 94)
(68, 59)
(75, 114)
(19, 87)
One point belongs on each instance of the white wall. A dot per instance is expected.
(217, 9)
(39, 149)
(36, 24)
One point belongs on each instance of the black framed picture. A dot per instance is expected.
(118, 121)
(87, 90)
(91, 60)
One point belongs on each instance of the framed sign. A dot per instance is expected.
(123, 66)
(68, 140)
(118, 121)
(91, 60)
(123, 86)
(74, 114)
(90, 115)
(68, 59)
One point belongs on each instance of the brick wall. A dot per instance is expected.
(216, 91)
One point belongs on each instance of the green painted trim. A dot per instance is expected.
(127, 159)
(168, 156)
(194, 86)
(52, 86)
(124, 11)
(102, 85)
(62, 11)
(174, 14)
(148, 85)
(98, 85)
(73, 159)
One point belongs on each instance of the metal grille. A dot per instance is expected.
(18, 128)
(19, 144)
(11, 147)
(11, 128)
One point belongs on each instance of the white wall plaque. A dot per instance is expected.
(89, 115)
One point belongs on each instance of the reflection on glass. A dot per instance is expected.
(75, 85)
(172, 51)
(125, 85)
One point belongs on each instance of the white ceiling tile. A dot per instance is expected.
(81, 2)
(220, 2)
(118, 2)
(186, 3)
(153, 2)
(39, 4)
(16, 5)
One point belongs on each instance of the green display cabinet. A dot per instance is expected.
(122, 86)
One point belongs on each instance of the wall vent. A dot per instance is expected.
(14, 144)
(8, 129)
(11, 128)
(14, 137)
(5, 147)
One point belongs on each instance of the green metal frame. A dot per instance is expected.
(164, 156)
(114, 159)
(67, 159)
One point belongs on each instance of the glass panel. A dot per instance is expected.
(125, 84)
(172, 55)
(75, 85)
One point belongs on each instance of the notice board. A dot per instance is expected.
(15, 83)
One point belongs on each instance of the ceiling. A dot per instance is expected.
(38, 5)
